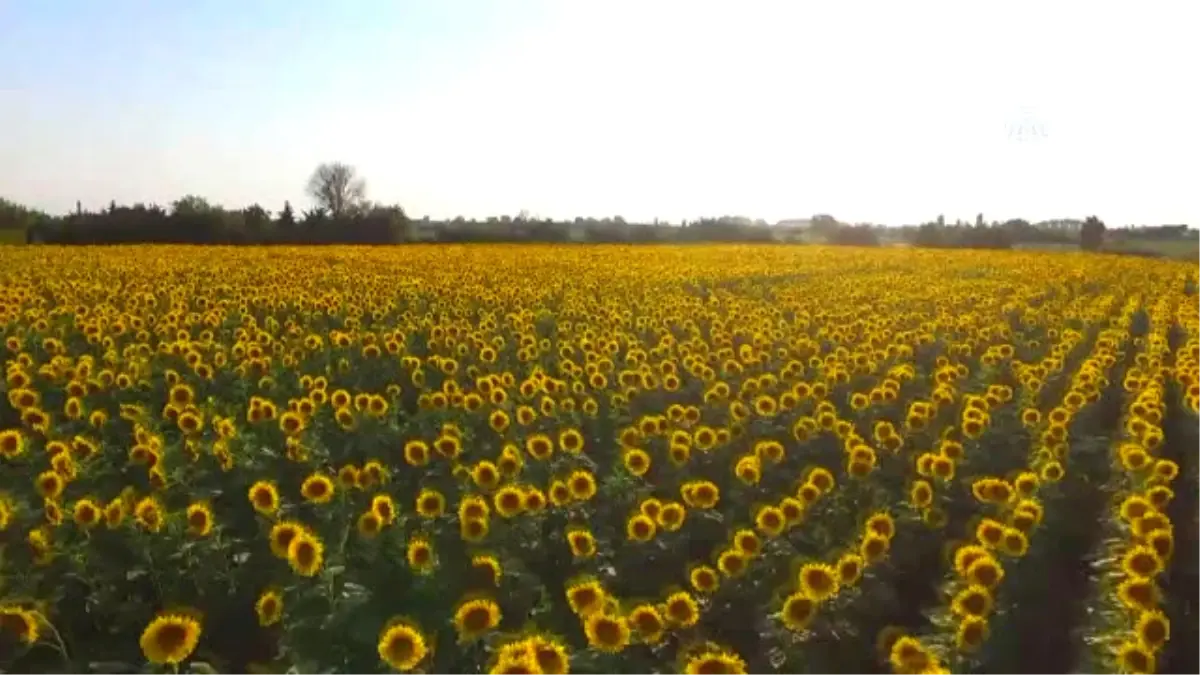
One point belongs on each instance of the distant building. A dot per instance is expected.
(792, 230)
(1068, 225)
(577, 231)
(424, 230)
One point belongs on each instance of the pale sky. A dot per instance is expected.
(888, 112)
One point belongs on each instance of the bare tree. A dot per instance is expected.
(337, 188)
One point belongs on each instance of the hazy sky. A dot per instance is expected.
(890, 112)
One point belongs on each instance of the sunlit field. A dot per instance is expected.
(528, 459)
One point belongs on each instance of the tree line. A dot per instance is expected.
(1088, 234)
(342, 214)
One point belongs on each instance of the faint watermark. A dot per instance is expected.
(1026, 127)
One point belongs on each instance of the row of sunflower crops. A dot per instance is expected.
(552, 459)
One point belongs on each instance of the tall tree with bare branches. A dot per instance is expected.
(337, 188)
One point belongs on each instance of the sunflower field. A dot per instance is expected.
(552, 459)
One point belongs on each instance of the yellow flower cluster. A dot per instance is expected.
(1145, 535)
(1010, 510)
(528, 459)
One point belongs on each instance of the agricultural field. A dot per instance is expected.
(528, 459)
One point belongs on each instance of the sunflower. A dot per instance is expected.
(53, 512)
(585, 596)
(881, 524)
(170, 638)
(509, 501)
(1149, 523)
(1160, 496)
(582, 485)
(522, 664)
(1052, 472)
(49, 484)
(679, 454)
(1014, 543)
(821, 478)
(539, 446)
(149, 514)
(486, 475)
(972, 631)
(86, 513)
(636, 461)
(551, 655)
(264, 496)
(419, 554)
(1138, 594)
(369, 524)
(560, 494)
(416, 453)
(199, 519)
(771, 521)
(384, 506)
(1133, 657)
(700, 494)
(798, 611)
(682, 610)
(473, 530)
(487, 569)
(850, 568)
(647, 622)
(792, 510)
(372, 475)
(114, 514)
(571, 441)
(984, 571)
(1026, 483)
(12, 443)
(1153, 630)
(965, 555)
(671, 516)
(747, 542)
(873, 548)
(908, 655)
(317, 489)
(769, 450)
(1141, 562)
(1166, 470)
(606, 632)
(402, 646)
(499, 421)
(306, 554)
(582, 543)
(281, 535)
(651, 507)
(990, 533)
(40, 545)
(713, 661)
(973, 600)
(473, 507)
(474, 617)
(818, 581)
(24, 624)
(704, 579)
(640, 528)
(430, 503)
(732, 563)
(920, 494)
(269, 607)
(748, 469)
(1162, 542)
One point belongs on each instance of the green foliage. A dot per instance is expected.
(1091, 235)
